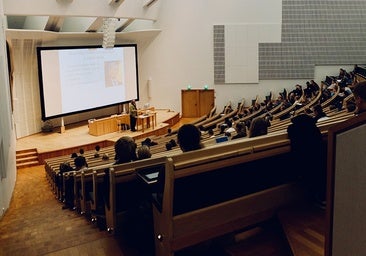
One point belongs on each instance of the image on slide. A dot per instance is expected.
(113, 73)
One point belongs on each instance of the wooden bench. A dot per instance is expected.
(176, 229)
(219, 120)
(114, 185)
(52, 166)
(116, 176)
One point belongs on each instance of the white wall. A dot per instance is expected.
(182, 53)
(7, 135)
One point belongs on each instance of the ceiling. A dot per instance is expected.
(51, 27)
(64, 24)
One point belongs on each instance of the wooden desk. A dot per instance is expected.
(106, 125)
(149, 118)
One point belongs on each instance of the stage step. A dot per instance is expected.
(27, 158)
(304, 226)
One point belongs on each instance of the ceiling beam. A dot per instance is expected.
(148, 3)
(124, 25)
(96, 25)
(54, 23)
(115, 3)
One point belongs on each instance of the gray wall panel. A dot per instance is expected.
(313, 33)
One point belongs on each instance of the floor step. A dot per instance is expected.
(27, 164)
(26, 154)
(27, 150)
(304, 226)
(27, 158)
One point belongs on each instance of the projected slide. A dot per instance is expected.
(81, 79)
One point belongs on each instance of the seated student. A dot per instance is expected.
(81, 151)
(308, 90)
(314, 86)
(97, 149)
(64, 185)
(169, 132)
(359, 92)
(125, 150)
(223, 127)
(240, 131)
(230, 129)
(308, 154)
(133, 199)
(168, 146)
(143, 152)
(319, 114)
(211, 133)
(80, 163)
(148, 142)
(351, 106)
(226, 125)
(333, 85)
(298, 90)
(189, 138)
(258, 127)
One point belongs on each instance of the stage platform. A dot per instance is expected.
(77, 136)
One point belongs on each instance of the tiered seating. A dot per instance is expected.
(99, 191)
(52, 167)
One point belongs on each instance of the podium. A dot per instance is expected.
(98, 127)
(115, 123)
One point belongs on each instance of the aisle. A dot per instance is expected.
(35, 224)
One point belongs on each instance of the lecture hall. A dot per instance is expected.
(167, 127)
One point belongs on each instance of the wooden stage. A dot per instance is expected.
(77, 136)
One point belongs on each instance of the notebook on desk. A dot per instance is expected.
(221, 139)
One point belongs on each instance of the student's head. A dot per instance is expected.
(146, 142)
(317, 109)
(240, 127)
(173, 143)
(81, 151)
(79, 162)
(168, 146)
(97, 148)
(125, 150)
(189, 137)
(351, 107)
(258, 127)
(143, 152)
(359, 92)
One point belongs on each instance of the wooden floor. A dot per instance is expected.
(35, 223)
(78, 134)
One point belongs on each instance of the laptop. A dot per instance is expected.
(150, 174)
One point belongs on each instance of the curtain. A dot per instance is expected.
(26, 102)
